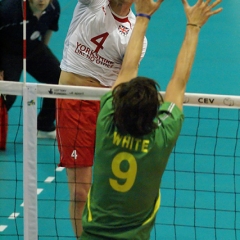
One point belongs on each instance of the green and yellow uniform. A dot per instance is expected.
(124, 198)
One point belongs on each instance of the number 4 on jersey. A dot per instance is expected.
(99, 40)
(74, 154)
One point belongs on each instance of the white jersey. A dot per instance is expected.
(97, 40)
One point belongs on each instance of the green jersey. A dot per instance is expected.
(124, 197)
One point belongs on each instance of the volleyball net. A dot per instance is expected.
(200, 187)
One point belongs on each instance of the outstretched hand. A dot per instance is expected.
(201, 11)
(147, 7)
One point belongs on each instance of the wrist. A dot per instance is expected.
(141, 24)
(192, 30)
(143, 15)
(193, 25)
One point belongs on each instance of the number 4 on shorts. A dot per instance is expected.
(74, 154)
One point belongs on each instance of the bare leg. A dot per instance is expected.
(79, 182)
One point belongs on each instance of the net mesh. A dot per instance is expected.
(200, 187)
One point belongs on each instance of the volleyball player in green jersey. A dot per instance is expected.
(136, 133)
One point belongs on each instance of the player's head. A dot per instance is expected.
(39, 5)
(136, 104)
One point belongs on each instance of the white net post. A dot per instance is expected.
(30, 162)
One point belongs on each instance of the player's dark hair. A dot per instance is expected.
(136, 104)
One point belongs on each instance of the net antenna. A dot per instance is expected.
(24, 41)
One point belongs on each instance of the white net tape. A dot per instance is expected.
(93, 93)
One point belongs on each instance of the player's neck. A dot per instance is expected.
(120, 9)
(37, 14)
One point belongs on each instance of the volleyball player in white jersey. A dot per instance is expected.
(93, 53)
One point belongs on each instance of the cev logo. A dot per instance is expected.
(206, 100)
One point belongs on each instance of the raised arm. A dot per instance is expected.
(132, 56)
(197, 16)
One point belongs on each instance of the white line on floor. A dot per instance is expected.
(59, 169)
(39, 190)
(49, 179)
(3, 227)
(13, 215)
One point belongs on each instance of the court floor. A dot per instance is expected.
(201, 186)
